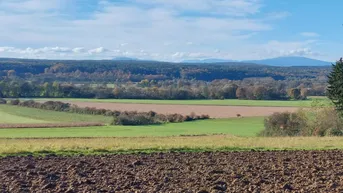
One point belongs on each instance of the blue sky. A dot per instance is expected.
(171, 30)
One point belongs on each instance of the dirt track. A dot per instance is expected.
(213, 111)
(300, 171)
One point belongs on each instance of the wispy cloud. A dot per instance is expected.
(309, 34)
(21, 6)
(215, 7)
(277, 15)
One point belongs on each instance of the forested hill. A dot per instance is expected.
(133, 70)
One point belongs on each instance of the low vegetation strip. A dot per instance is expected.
(120, 117)
(7, 118)
(314, 122)
(274, 171)
(157, 144)
(17, 115)
(249, 126)
(49, 125)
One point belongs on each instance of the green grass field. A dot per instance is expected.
(236, 126)
(16, 114)
(207, 135)
(228, 102)
(11, 118)
(249, 126)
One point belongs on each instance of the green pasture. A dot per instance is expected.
(17, 114)
(228, 102)
(248, 126)
(233, 134)
(236, 126)
(11, 118)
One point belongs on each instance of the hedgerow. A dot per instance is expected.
(120, 117)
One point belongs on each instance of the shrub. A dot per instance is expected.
(29, 103)
(325, 122)
(56, 106)
(175, 118)
(204, 117)
(137, 119)
(314, 122)
(14, 102)
(284, 124)
(2, 101)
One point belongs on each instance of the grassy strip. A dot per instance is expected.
(249, 126)
(74, 146)
(19, 115)
(228, 102)
(7, 118)
(48, 125)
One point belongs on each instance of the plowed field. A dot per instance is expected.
(213, 111)
(279, 171)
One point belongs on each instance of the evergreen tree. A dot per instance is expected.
(335, 88)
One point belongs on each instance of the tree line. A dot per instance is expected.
(158, 80)
(163, 90)
(108, 71)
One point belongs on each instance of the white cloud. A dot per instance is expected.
(79, 50)
(31, 5)
(123, 44)
(53, 52)
(301, 52)
(277, 15)
(6, 49)
(309, 34)
(270, 49)
(224, 7)
(97, 50)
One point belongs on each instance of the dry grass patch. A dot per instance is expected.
(217, 142)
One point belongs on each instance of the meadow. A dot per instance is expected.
(235, 126)
(17, 114)
(206, 135)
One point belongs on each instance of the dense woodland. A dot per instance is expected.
(158, 80)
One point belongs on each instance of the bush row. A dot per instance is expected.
(315, 122)
(120, 117)
(2, 101)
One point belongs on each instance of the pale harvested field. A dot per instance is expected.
(213, 111)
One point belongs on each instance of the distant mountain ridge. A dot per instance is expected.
(291, 61)
(209, 60)
(124, 58)
(279, 61)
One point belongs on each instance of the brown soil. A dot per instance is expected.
(283, 171)
(49, 125)
(212, 111)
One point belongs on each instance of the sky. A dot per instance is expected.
(171, 30)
